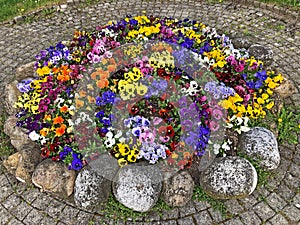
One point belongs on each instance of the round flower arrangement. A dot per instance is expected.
(147, 89)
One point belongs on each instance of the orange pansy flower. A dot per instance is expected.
(60, 130)
(44, 132)
(58, 120)
(64, 108)
(79, 103)
(111, 68)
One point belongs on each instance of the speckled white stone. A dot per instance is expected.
(138, 187)
(260, 144)
(229, 178)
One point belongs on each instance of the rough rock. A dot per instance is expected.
(138, 187)
(12, 162)
(25, 71)
(229, 178)
(105, 166)
(29, 151)
(17, 135)
(285, 89)
(241, 43)
(261, 145)
(30, 158)
(262, 53)
(11, 96)
(54, 177)
(178, 190)
(93, 183)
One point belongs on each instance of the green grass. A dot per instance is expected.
(12, 8)
(287, 123)
(293, 3)
(115, 210)
(218, 205)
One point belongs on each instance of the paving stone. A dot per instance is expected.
(216, 215)
(279, 219)
(5, 216)
(42, 202)
(203, 218)
(186, 221)
(15, 222)
(234, 206)
(31, 194)
(5, 192)
(11, 202)
(83, 218)
(170, 214)
(276, 202)
(295, 170)
(186, 210)
(68, 215)
(263, 211)
(248, 202)
(47, 221)
(200, 206)
(292, 181)
(285, 192)
(55, 208)
(21, 211)
(250, 218)
(234, 221)
(33, 218)
(292, 213)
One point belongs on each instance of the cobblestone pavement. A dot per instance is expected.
(277, 204)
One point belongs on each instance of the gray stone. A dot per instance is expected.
(203, 218)
(54, 177)
(30, 158)
(250, 217)
(138, 187)
(105, 166)
(285, 89)
(241, 43)
(186, 221)
(19, 19)
(263, 211)
(29, 152)
(18, 135)
(229, 178)
(178, 190)
(262, 53)
(25, 71)
(11, 96)
(90, 188)
(260, 144)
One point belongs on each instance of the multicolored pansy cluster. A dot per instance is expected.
(158, 124)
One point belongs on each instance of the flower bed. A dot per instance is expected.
(142, 89)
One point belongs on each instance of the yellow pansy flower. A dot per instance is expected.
(260, 101)
(269, 91)
(141, 89)
(272, 85)
(122, 162)
(265, 96)
(278, 78)
(270, 105)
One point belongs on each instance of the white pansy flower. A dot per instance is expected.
(34, 136)
(216, 148)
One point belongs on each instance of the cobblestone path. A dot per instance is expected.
(276, 28)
